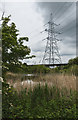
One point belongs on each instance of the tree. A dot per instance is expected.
(73, 61)
(13, 49)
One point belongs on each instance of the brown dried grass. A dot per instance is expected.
(58, 80)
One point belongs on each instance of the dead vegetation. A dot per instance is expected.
(19, 82)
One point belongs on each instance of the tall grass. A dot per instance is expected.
(59, 80)
(41, 102)
(48, 96)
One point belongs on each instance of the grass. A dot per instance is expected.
(41, 102)
(49, 96)
(59, 80)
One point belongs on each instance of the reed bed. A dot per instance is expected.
(41, 102)
(18, 81)
(45, 96)
(60, 80)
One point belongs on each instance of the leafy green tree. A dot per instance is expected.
(13, 48)
(73, 61)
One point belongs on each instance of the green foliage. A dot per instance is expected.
(36, 69)
(56, 69)
(40, 69)
(71, 68)
(73, 61)
(13, 49)
(42, 102)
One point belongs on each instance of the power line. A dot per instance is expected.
(63, 20)
(51, 51)
(63, 9)
(35, 30)
(59, 9)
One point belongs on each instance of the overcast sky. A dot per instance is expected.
(30, 18)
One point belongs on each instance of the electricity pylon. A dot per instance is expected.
(51, 55)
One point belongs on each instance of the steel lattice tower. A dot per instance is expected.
(51, 55)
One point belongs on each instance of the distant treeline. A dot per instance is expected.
(70, 68)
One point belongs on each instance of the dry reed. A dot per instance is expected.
(59, 80)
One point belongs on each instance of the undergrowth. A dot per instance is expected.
(41, 102)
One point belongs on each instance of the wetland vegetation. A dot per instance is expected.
(53, 92)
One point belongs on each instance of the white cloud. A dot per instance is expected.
(30, 20)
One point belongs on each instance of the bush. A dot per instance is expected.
(73, 70)
(73, 61)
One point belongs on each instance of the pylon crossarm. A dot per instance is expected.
(51, 50)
